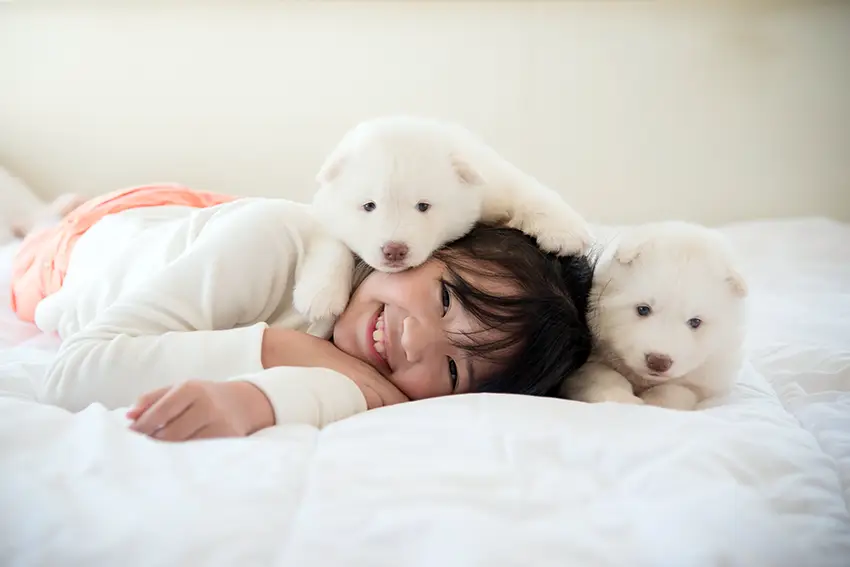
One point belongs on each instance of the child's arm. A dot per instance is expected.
(302, 393)
(201, 317)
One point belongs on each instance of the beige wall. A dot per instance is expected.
(635, 110)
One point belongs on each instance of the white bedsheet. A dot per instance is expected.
(474, 480)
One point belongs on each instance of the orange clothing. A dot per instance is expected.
(40, 265)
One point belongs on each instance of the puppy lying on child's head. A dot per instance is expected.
(397, 188)
(667, 313)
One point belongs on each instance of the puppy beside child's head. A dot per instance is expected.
(397, 188)
(668, 310)
(394, 191)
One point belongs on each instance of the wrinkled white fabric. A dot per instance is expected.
(761, 480)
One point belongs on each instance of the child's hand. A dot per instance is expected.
(201, 409)
(377, 390)
(285, 347)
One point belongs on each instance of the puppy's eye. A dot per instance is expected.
(694, 322)
(422, 206)
(643, 310)
(369, 206)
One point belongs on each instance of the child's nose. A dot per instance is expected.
(416, 339)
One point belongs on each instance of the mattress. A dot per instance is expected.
(763, 480)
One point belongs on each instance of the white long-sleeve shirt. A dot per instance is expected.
(155, 296)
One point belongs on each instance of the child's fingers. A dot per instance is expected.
(145, 402)
(185, 425)
(213, 431)
(172, 404)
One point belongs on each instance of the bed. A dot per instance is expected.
(762, 480)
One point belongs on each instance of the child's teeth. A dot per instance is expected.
(380, 323)
(379, 347)
(378, 335)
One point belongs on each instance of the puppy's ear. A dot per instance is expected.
(737, 283)
(332, 167)
(629, 248)
(465, 172)
(627, 254)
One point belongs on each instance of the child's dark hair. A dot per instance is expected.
(536, 325)
(542, 334)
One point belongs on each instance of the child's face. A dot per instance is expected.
(403, 325)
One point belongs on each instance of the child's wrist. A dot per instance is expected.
(255, 409)
(269, 351)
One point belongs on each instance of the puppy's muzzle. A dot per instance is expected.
(659, 363)
(395, 253)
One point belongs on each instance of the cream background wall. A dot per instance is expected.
(634, 110)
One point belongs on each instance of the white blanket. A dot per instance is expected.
(762, 480)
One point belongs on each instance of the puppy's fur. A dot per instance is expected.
(414, 184)
(652, 285)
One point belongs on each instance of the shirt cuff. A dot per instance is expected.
(310, 396)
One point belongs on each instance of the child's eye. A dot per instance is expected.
(423, 207)
(453, 374)
(369, 206)
(643, 310)
(694, 323)
(447, 297)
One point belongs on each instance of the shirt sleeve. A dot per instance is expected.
(311, 396)
(200, 317)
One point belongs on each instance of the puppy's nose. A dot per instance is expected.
(658, 362)
(394, 252)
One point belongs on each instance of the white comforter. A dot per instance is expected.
(474, 480)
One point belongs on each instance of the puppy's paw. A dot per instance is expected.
(598, 383)
(557, 231)
(318, 300)
(323, 283)
(671, 396)
(322, 289)
(616, 395)
(563, 242)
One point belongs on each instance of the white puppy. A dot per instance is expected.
(397, 188)
(668, 316)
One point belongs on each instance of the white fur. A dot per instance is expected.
(398, 162)
(681, 271)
